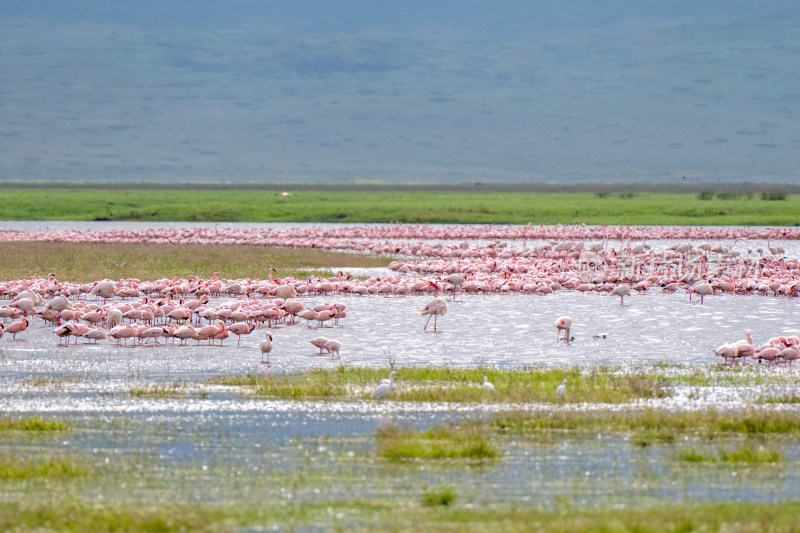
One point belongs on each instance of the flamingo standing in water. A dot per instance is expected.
(319, 342)
(434, 308)
(333, 347)
(622, 291)
(266, 346)
(17, 327)
(563, 324)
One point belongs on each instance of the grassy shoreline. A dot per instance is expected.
(87, 262)
(408, 206)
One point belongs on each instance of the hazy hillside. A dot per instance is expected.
(250, 91)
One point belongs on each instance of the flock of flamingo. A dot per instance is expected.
(429, 259)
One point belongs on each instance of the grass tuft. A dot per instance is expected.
(442, 442)
(443, 495)
(56, 467)
(32, 424)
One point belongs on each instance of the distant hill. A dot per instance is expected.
(252, 92)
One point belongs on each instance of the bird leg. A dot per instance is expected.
(426, 322)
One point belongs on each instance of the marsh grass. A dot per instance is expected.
(78, 516)
(391, 515)
(793, 397)
(164, 391)
(441, 442)
(35, 423)
(441, 384)
(51, 467)
(650, 425)
(87, 262)
(746, 453)
(442, 495)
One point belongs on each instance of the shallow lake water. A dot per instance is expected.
(89, 386)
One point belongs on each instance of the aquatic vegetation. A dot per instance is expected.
(442, 495)
(442, 442)
(652, 423)
(165, 391)
(746, 453)
(442, 384)
(52, 467)
(35, 423)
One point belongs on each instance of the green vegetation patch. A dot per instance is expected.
(747, 453)
(388, 205)
(87, 262)
(165, 391)
(52, 467)
(442, 495)
(78, 516)
(35, 423)
(441, 384)
(441, 442)
(652, 424)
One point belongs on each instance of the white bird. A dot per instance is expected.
(600, 336)
(561, 390)
(384, 387)
(266, 346)
(487, 385)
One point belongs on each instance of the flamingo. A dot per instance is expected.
(241, 328)
(266, 346)
(487, 385)
(122, 331)
(727, 351)
(185, 333)
(456, 280)
(17, 327)
(384, 387)
(319, 342)
(210, 331)
(433, 308)
(333, 347)
(702, 288)
(563, 323)
(96, 334)
(622, 291)
(64, 331)
(745, 348)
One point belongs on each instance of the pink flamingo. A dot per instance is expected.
(122, 331)
(622, 291)
(17, 327)
(333, 347)
(727, 351)
(433, 308)
(185, 333)
(241, 328)
(266, 346)
(745, 348)
(563, 323)
(319, 342)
